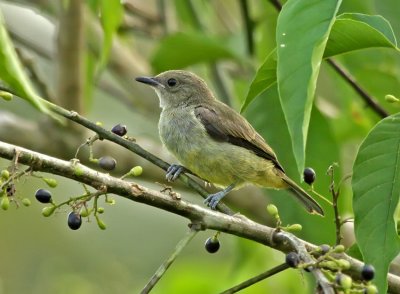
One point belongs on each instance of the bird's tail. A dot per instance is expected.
(311, 205)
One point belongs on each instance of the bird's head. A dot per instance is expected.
(178, 87)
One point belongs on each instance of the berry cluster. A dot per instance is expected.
(334, 268)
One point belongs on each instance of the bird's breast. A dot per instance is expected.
(182, 134)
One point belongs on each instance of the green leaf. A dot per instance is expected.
(181, 50)
(354, 251)
(355, 31)
(264, 78)
(111, 17)
(12, 72)
(376, 189)
(302, 32)
(350, 31)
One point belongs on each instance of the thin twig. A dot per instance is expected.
(248, 24)
(369, 100)
(219, 84)
(142, 14)
(256, 279)
(335, 196)
(162, 12)
(216, 77)
(276, 4)
(167, 263)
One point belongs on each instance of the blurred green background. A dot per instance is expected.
(42, 255)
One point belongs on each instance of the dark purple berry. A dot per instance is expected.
(292, 259)
(212, 244)
(74, 220)
(309, 175)
(368, 272)
(324, 248)
(119, 130)
(107, 163)
(43, 196)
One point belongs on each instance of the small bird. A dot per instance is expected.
(215, 142)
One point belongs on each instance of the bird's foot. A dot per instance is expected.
(213, 199)
(173, 172)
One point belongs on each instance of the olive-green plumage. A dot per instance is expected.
(215, 142)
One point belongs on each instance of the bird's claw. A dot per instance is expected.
(173, 172)
(213, 199)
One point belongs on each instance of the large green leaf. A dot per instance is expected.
(12, 72)
(264, 78)
(351, 31)
(181, 50)
(376, 188)
(355, 31)
(302, 32)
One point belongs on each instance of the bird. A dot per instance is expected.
(214, 142)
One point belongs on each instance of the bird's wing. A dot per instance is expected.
(224, 124)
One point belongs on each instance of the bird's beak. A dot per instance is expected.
(149, 81)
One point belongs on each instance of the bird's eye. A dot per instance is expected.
(172, 82)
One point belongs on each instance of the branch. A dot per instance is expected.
(260, 277)
(204, 218)
(163, 268)
(369, 100)
(248, 24)
(71, 47)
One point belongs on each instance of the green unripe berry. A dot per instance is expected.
(26, 202)
(343, 264)
(100, 210)
(329, 264)
(294, 228)
(78, 171)
(6, 95)
(344, 281)
(85, 212)
(371, 289)
(136, 171)
(272, 210)
(52, 183)
(339, 249)
(5, 202)
(48, 210)
(391, 99)
(100, 223)
(5, 174)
